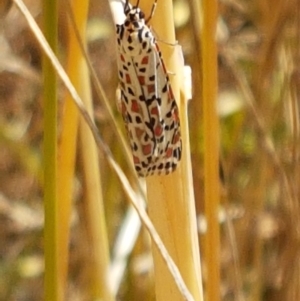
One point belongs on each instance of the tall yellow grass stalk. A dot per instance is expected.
(53, 290)
(211, 148)
(170, 198)
(98, 262)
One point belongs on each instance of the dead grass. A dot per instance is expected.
(259, 105)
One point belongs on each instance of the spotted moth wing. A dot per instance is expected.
(147, 103)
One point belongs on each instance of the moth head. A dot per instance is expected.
(135, 18)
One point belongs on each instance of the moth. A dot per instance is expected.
(147, 102)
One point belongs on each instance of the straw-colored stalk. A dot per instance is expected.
(171, 198)
(53, 291)
(211, 148)
(98, 264)
(67, 154)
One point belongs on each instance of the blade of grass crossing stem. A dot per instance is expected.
(211, 147)
(53, 291)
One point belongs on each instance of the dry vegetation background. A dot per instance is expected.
(259, 80)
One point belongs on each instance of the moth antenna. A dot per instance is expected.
(152, 12)
(126, 5)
